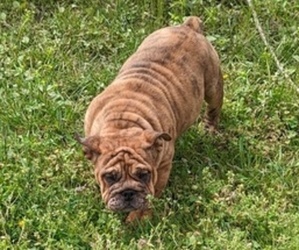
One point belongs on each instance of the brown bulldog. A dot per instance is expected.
(131, 127)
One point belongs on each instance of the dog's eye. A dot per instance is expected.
(144, 176)
(111, 178)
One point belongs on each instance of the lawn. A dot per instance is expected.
(235, 190)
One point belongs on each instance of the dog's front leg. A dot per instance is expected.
(138, 215)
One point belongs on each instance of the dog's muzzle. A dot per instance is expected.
(127, 200)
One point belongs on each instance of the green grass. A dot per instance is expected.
(236, 190)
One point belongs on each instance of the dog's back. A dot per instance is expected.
(163, 83)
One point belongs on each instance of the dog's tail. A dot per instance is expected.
(194, 23)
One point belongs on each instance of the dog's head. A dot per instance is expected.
(126, 166)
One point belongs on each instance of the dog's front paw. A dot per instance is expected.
(138, 215)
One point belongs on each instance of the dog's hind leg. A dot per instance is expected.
(214, 99)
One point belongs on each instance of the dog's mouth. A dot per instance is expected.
(127, 201)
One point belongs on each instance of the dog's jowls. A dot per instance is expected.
(131, 127)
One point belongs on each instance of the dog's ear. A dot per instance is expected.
(91, 146)
(154, 139)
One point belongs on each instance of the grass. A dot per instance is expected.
(237, 190)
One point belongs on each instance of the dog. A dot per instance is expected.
(131, 127)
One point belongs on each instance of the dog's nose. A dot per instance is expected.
(128, 194)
